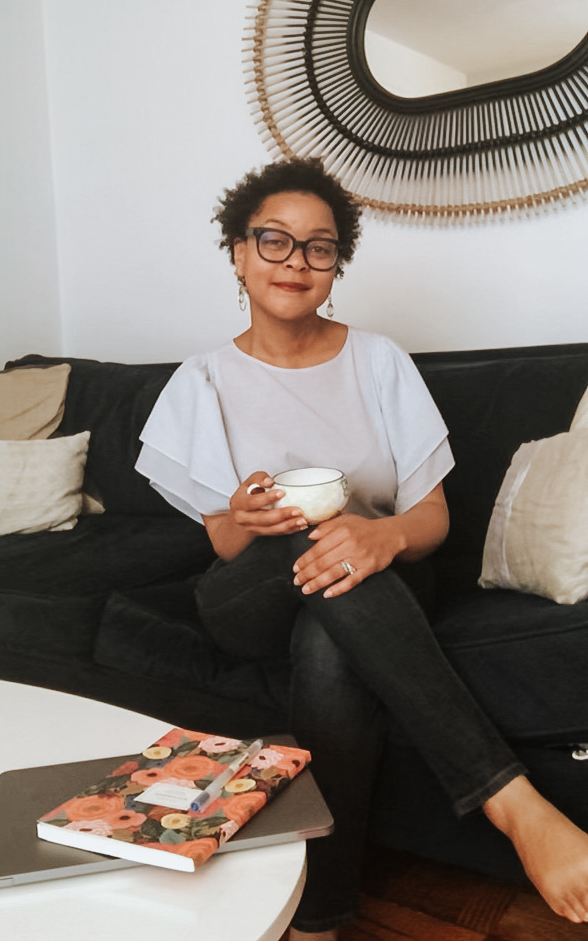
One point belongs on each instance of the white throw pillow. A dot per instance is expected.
(41, 483)
(537, 540)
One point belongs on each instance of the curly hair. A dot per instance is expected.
(301, 175)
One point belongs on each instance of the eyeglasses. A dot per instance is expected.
(276, 246)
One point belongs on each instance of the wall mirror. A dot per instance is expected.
(423, 47)
(495, 124)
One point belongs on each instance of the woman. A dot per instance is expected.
(294, 390)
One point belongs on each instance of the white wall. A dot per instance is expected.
(149, 122)
(405, 71)
(499, 71)
(515, 283)
(29, 297)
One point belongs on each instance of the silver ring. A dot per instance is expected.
(349, 570)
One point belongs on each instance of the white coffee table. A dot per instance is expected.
(246, 896)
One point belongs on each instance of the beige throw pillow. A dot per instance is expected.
(32, 401)
(41, 483)
(537, 540)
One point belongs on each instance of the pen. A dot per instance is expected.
(215, 787)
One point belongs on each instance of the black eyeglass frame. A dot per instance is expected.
(258, 231)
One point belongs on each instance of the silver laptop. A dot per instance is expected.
(297, 813)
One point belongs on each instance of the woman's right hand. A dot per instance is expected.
(231, 532)
(247, 509)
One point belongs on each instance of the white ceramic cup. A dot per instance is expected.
(320, 492)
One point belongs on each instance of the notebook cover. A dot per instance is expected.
(110, 817)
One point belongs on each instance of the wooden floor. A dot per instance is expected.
(408, 898)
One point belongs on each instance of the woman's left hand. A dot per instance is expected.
(367, 545)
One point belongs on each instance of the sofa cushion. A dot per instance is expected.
(58, 628)
(492, 401)
(113, 401)
(155, 632)
(103, 553)
(525, 659)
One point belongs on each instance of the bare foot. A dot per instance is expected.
(331, 935)
(553, 850)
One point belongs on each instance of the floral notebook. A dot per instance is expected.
(141, 810)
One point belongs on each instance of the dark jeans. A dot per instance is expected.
(353, 657)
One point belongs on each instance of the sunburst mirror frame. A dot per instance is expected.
(491, 151)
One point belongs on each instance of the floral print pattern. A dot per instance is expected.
(157, 752)
(113, 809)
(194, 767)
(98, 827)
(217, 744)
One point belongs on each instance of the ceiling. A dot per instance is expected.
(488, 39)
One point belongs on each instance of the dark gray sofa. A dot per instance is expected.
(106, 610)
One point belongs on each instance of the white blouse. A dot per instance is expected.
(367, 412)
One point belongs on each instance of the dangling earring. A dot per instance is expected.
(330, 308)
(242, 293)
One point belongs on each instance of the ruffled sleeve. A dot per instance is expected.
(414, 428)
(185, 453)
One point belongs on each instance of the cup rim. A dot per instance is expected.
(321, 483)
